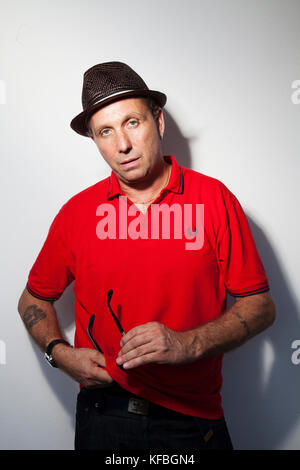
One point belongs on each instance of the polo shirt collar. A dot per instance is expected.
(175, 183)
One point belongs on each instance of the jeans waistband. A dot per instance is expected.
(116, 399)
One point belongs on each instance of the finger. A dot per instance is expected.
(96, 383)
(136, 352)
(137, 330)
(129, 335)
(136, 341)
(101, 376)
(98, 358)
(141, 360)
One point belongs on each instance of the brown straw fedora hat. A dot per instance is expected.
(108, 82)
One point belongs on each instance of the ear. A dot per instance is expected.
(161, 123)
(90, 133)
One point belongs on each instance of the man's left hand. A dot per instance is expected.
(155, 343)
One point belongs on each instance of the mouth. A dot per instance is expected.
(129, 162)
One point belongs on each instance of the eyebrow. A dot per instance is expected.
(126, 118)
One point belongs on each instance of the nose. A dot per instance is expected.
(123, 142)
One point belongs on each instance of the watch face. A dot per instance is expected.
(48, 352)
(49, 360)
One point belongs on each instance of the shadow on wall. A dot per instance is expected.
(175, 143)
(261, 407)
(262, 400)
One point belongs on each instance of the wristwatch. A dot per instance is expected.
(50, 346)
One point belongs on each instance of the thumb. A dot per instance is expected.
(99, 359)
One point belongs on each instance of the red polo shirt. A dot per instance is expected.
(175, 269)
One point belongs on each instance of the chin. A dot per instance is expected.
(133, 178)
(134, 174)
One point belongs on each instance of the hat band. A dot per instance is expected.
(93, 103)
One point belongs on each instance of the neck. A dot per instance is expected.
(143, 192)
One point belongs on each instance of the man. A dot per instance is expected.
(153, 249)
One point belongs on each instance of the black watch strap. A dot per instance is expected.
(48, 355)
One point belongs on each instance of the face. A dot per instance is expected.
(129, 139)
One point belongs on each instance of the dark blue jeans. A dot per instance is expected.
(103, 422)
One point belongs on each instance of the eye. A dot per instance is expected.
(104, 132)
(133, 123)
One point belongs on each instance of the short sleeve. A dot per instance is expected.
(238, 257)
(53, 269)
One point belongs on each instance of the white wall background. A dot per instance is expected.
(228, 68)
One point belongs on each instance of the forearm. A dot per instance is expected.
(246, 318)
(86, 366)
(40, 319)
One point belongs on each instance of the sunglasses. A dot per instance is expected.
(92, 318)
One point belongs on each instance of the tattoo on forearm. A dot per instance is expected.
(243, 322)
(32, 315)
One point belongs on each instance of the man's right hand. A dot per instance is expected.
(86, 366)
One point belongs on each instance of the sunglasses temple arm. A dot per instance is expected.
(91, 321)
(116, 320)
